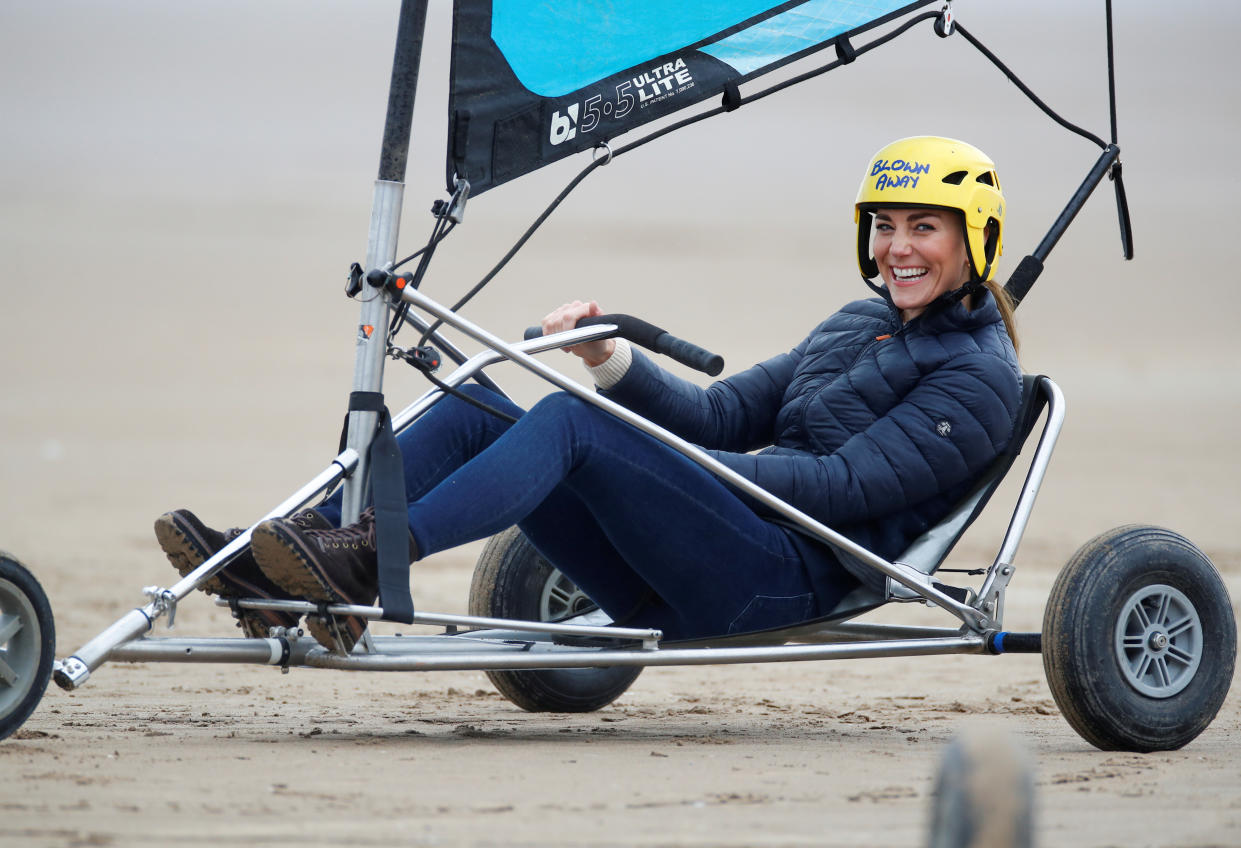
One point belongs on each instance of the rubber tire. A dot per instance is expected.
(984, 793)
(36, 640)
(509, 580)
(1079, 653)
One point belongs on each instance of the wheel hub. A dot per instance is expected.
(1158, 640)
(562, 598)
(19, 645)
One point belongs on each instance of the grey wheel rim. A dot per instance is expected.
(1158, 640)
(561, 598)
(20, 644)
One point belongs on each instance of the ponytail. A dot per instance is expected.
(1007, 310)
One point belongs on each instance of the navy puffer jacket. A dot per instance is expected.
(871, 427)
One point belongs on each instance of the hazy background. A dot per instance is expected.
(184, 185)
(182, 188)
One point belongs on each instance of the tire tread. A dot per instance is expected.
(501, 588)
(1079, 659)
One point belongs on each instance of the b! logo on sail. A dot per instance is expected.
(656, 84)
(564, 127)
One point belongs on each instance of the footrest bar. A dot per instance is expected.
(445, 620)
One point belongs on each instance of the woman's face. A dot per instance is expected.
(921, 254)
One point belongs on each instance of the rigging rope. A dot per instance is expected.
(1026, 90)
(1111, 69)
(439, 232)
(597, 163)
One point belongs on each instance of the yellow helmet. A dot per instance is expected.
(940, 172)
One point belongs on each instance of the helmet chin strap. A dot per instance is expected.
(882, 291)
(973, 285)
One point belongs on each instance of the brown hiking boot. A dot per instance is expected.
(333, 566)
(188, 543)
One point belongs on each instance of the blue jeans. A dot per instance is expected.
(650, 536)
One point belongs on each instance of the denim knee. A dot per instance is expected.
(560, 403)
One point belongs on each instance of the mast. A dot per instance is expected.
(381, 243)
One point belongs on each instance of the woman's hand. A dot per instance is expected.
(566, 317)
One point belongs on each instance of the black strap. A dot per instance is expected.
(1122, 209)
(732, 96)
(359, 402)
(387, 473)
(391, 523)
(460, 140)
(366, 402)
(844, 51)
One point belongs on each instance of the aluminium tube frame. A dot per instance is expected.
(481, 652)
(493, 648)
(991, 594)
(385, 224)
(372, 339)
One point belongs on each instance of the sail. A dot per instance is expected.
(534, 81)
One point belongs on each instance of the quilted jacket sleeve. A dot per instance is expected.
(736, 414)
(943, 433)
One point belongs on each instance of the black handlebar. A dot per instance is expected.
(653, 338)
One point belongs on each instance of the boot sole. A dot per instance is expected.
(186, 549)
(351, 630)
(290, 565)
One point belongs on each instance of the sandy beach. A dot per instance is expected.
(182, 190)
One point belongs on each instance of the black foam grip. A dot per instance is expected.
(653, 338)
(689, 354)
(1021, 643)
(1019, 284)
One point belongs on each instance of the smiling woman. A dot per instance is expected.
(930, 219)
(921, 255)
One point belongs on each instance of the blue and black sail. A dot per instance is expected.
(533, 82)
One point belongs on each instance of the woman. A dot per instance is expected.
(874, 425)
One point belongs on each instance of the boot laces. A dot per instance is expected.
(360, 536)
(302, 520)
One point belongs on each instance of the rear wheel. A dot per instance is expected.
(1139, 640)
(511, 580)
(27, 644)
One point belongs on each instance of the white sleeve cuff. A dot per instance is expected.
(610, 372)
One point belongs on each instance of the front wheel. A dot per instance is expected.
(511, 580)
(984, 793)
(1139, 640)
(27, 644)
